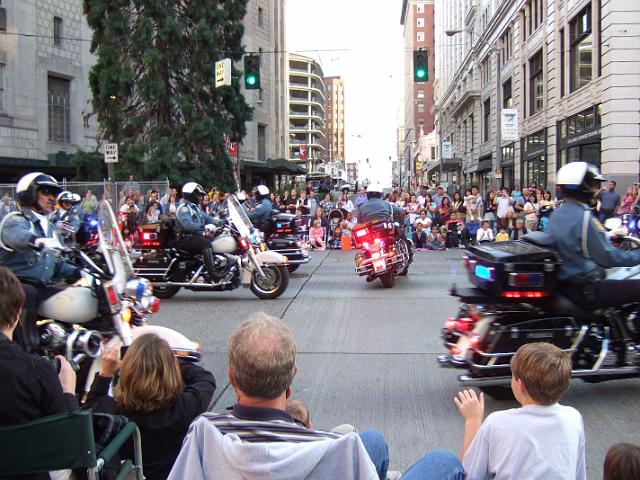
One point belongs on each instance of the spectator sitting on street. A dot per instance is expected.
(299, 412)
(351, 221)
(326, 204)
(622, 462)
(424, 220)
(89, 203)
(519, 231)
(540, 440)
(316, 235)
(457, 231)
(484, 233)
(502, 235)
(161, 394)
(336, 238)
(153, 213)
(420, 237)
(320, 215)
(261, 368)
(436, 240)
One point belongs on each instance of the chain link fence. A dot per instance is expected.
(92, 192)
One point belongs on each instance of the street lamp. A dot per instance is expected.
(498, 140)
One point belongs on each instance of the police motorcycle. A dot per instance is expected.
(284, 233)
(238, 260)
(107, 303)
(623, 231)
(514, 302)
(383, 254)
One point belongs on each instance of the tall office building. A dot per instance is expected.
(417, 17)
(334, 124)
(525, 86)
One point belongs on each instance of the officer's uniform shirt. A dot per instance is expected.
(566, 226)
(191, 219)
(261, 213)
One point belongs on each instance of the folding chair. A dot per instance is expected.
(61, 442)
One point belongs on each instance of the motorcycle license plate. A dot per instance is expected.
(379, 265)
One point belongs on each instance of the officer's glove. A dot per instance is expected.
(49, 245)
(210, 227)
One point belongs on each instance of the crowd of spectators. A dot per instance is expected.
(267, 430)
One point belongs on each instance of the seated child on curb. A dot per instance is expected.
(316, 235)
(502, 236)
(336, 238)
(542, 439)
(622, 462)
(436, 240)
(420, 237)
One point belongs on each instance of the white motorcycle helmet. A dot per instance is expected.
(579, 180)
(374, 190)
(261, 191)
(193, 192)
(67, 196)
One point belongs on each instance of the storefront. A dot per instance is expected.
(533, 167)
(579, 137)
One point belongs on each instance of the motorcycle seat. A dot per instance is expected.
(540, 238)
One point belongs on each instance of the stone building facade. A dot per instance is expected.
(569, 69)
(45, 111)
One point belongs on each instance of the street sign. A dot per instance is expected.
(111, 153)
(223, 72)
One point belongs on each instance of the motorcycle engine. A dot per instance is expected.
(226, 266)
(56, 339)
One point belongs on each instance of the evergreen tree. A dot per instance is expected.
(154, 85)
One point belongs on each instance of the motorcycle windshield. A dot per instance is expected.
(239, 217)
(112, 244)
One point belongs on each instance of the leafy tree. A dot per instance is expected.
(153, 85)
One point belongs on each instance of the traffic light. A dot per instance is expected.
(252, 72)
(420, 66)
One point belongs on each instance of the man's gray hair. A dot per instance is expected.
(262, 356)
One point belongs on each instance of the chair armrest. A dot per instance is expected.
(114, 445)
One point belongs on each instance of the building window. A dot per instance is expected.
(534, 15)
(420, 107)
(487, 117)
(536, 84)
(2, 87)
(507, 99)
(506, 51)
(581, 49)
(420, 93)
(3, 19)
(57, 31)
(473, 132)
(420, 37)
(420, 22)
(420, 8)
(534, 167)
(59, 94)
(260, 17)
(561, 62)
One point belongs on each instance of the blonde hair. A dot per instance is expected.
(544, 369)
(150, 378)
(262, 356)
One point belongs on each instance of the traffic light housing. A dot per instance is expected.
(420, 66)
(252, 72)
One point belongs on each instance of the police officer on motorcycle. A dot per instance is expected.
(28, 248)
(264, 209)
(375, 208)
(192, 223)
(65, 217)
(582, 243)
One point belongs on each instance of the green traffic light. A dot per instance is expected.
(420, 73)
(251, 80)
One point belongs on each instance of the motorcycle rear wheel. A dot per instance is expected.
(388, 280)
(274, 285)
(293, 267)
(165, 292)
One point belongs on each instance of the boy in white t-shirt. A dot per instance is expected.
(541, 440)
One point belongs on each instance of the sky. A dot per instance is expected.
(360, 41)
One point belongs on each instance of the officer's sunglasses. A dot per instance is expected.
(46, 192)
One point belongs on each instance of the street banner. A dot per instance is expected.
(303, 152)
(509, 124)
(447, 150)
(230, 147)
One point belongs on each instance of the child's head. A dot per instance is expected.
(622, 462)
(503, 230)
(298, 212)
(317, 223)
(434, 230)
(419, 227)
(337, 232)
(299, 412)
(484, 224)
(543, 369)
(343, 224)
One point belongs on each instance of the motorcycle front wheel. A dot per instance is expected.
(165, 292)
(272, 285)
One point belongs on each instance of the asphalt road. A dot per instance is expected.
(367, 355)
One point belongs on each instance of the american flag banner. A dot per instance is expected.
(230, 147)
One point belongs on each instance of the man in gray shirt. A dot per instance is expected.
(609, 201)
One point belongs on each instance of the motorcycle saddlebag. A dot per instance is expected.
(514, 269)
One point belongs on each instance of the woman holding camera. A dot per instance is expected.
(158, 392)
